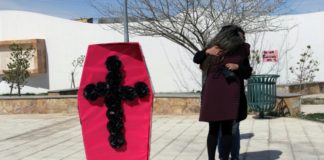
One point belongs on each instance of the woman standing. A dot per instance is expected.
(225, 62)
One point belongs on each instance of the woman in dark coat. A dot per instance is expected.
(223, 96)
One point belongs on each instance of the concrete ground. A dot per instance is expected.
(307, 109)
(58, 137)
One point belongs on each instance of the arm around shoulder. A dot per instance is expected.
(245, 70)
(200, 56)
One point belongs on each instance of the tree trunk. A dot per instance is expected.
(11, 88)
(72, 81)
(19, 88)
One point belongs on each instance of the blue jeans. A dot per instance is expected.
(235, 152)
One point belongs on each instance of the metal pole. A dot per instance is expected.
(126, 38)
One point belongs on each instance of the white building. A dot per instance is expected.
(170, 66)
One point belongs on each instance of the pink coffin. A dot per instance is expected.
(137, 114)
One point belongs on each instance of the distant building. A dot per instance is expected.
(106, 20)
(85, 20)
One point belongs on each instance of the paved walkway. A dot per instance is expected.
(58, 137)
(308, 109)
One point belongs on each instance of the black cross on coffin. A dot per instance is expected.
(114, 93)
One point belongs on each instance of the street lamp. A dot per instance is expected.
(126, 38)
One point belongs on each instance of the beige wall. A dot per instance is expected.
(68, 104)
(58, 104)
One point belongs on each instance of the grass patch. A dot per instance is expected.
(319, 117)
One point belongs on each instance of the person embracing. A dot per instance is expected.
(225, 65)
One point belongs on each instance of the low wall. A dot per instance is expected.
(164, 103)
(73, 91)
(304, 88)
(168, 103)
(38, 104)
(171, 103)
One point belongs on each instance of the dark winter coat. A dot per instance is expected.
(222, 100)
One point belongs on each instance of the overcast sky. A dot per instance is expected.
(71, 9)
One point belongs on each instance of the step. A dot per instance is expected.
(315, 99)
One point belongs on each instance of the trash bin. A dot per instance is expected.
(261, 93)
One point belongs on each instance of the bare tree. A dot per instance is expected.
(306, 67)
(191, 23)
(76, 63)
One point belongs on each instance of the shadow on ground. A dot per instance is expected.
(246, 135)
(266, 117)
(260, 155)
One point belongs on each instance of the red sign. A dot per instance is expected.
(270, 56)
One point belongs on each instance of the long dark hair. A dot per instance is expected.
(228, 40)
